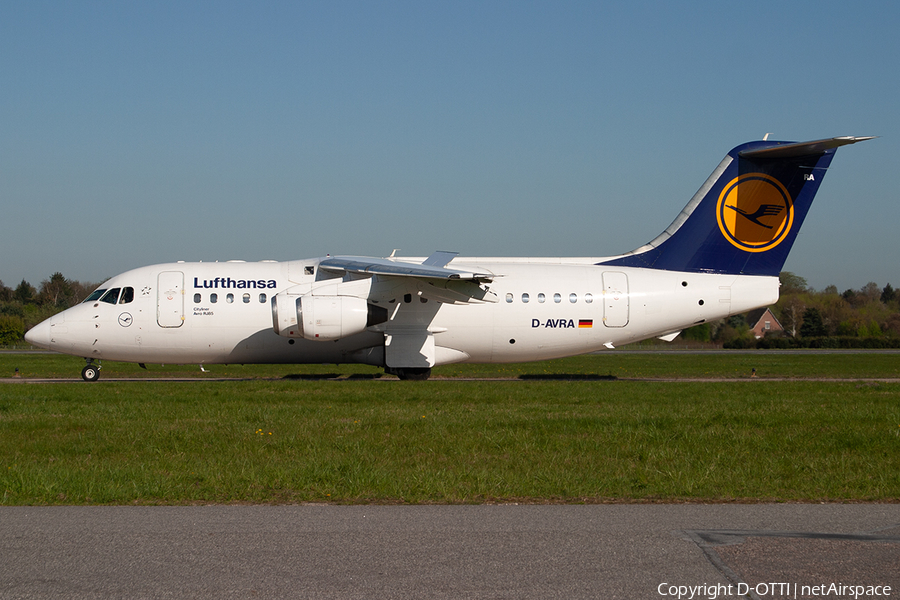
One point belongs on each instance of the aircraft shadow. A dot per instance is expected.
(569, 377)
(329, 376)
(374, 376)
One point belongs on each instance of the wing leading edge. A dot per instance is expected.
(439, 282)
(432, 268)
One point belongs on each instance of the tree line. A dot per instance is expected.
(868, 317)
(24, 306)
(865, 317)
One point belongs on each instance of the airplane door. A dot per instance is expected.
(170, 299)
(615, 299)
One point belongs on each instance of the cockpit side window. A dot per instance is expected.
(111, 297)
(95, 295)
(127, 295)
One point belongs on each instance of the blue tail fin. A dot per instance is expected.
(746, 216)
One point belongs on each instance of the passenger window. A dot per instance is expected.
(573, 298)
(196, 298)
(213, 298)
(525, 298)
(557, 298)
(127, 295)
(262, 298)
(229, 298)
(309, 270)
(246, 298)
(509, 298)
(588, 298)
(95, 295)
(541, 298)
(111, 297)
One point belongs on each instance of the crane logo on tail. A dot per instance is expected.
(755, 212)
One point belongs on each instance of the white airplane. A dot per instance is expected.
(721, 256)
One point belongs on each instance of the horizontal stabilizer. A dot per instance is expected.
(792, 150)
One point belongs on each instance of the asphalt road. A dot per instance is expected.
(435, 552)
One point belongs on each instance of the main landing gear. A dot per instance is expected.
(409, 373)
(91, 372)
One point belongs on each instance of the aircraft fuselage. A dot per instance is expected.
(223, 313)
(720, 256)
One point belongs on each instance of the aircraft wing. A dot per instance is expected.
(431, 276)
(432, 268)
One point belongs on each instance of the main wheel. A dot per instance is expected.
(412, 373)
(90, 373)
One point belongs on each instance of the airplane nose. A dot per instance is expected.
(39, 335)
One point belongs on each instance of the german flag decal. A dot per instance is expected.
(585, 323)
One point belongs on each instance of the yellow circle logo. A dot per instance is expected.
(755, 212)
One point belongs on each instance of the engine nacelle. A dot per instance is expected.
(285, 314)
(332, 317)
(323, 318)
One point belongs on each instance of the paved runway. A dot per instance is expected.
(347, 552)
(341, 378)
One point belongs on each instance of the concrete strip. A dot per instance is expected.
(435, 552)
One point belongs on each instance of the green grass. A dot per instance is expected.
(616, 364)
(280, 441)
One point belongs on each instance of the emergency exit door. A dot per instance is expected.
(615, 299)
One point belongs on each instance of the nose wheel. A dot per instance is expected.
(91, 372)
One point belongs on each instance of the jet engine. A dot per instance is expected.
(323, 318)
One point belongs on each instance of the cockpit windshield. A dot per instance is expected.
(95, 295)
(111, 296)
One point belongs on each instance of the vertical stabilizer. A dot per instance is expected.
(746, 216)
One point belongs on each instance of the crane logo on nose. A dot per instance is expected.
(755, 212)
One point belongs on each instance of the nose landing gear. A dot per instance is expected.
(91, 372)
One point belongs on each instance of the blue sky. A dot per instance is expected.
(140, 133)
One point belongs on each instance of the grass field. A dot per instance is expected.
(544, 439)
(790, 364)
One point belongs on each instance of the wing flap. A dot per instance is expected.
(457, 292)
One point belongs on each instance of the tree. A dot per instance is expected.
(56, 291)
(11, 329)
(699, 333)
(870, 291)
(812, 324)
(24, 293)
(892, 326)
(792, 284)
(81, 290)
(888, 294)
(791, 314)
(873, 330)
(737, 321)
(834, 311)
